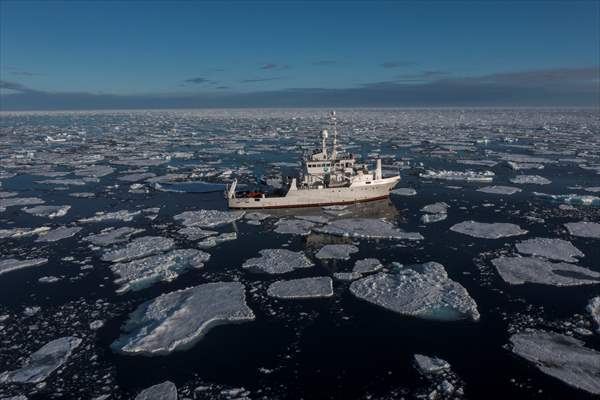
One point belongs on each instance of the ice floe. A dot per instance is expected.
(141, 273)
(213, 241)
(422, 290)
(575, 199)
(430, 365)
(404, 192)
(520, 270)
(177, 320)
(366, 228)
(163, 391)
(277, 261)
(508, 190)
(196, 233)
(555, 249)
(593, 308)
(531, 179)
(140, 247)
(436, 208)
(60, 233)
(584, 229)
(208, 218)
(19, 201)
(336, 251)
(303, 288)
(366, 266)
(560, 356)
(48, 211)
(13, 264)
(14, 233)
(495, 230)
(294, 227)
(112, 236)
(121, 215)
(43, 362)
(470, 176)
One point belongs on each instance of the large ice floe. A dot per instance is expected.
(554, 249)
(366, 228)
(121, 215)
(495, 230)
(435, 212)
(430, 365)
(531, 179)
(19, 201)
(303, 288)
(508, 190)
(336, 251)
(138, 248)
(520, 270)
(584, 229)
(43, 362)
(14, 233)
(48, 211)
(208, 218)
(112, 236)
(470, 176)
(13, 264)
(163, 391)
(575, 199)
(144, 272)
(294, 226)
(196, 233)
(593, 308)
(277, 261)
(367, 265)
(60, 233)
(177, 320)
(560, 356)
(422, 290)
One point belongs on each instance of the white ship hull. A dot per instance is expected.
(375, 190)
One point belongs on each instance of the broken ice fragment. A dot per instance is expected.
(19, 201)
(177, 320)
(484, 230)
(531, 179)
(121, 215)
(62, 232)
(555, 249)
(593, 308)
(336, 251)
(584, 229)
(293, 227)
(196, 233)
(520, 270)
(470, 176)
(404, 192)
(436, 208)
(422, 290)
(570, 199)
(43, 362)
(430, 365)
(208, 218)
(48, 211)
(112, 236)
(366, 228)
(367, 265)
(303, 288)
(163, 391)
(12, 264)
(213, 241)
(508, 190)
(140, 247)
(277, 261)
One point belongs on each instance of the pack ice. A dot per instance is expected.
(48, 211)
(584, 229)
(555, 249)
(495, 230)
(177, 320)
(208, 218)
(163, 391)
(303, 288)
(575, 199)
(277, 261)
(508, 190)
(141, 273)
(520, 270)
(336, 251)
(60, 233)
(366, 228)
(470, 176)
(294, 227)
(530, 179)
(43, 362)
(112, 236)
(13, 264)
(422, 290)
(560, 356)
(593, 308)
(140, 247)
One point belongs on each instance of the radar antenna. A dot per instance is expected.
(334, 122)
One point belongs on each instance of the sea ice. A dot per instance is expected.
(304, 288)
(366, 228)
(519, 270)
(12, 264)
(576, 199)
(508, 190)
(436, 208)
(470, 176)
(112, 236)
(430, 365)
(593, 308)
(19, 201)
(366, 266)
(208, 218)
(163, 391)
(294, 227)
(139, 274)
(43, 362)
(213, 241)
(48, 211)
(277, 261)
(484, 230)
(432, 218)
(196, 233)
(422, 290)
(177, 320)
(530, 179)
(584, 229)
(404, 192)
(336, 251)
(560, 356)
(121, 215)
(62, 232)
(22, 232)
(140, 247)
(555, 249)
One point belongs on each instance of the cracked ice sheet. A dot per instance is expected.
(112, 236)
(142, 273)
(177, 320)
(422, 290)
(555, 249)
(560, 356)
(277, 261)
(208, 218)
(584, 229)
(303, 288)
(43, 362)
(121, 215)
(48, 211)
(19, 201)
(294, 227)
(60, 233)
(138, 248)
(484, 230)
(520, 270)
(13, 264)
(366, 228)
(163, 391)
(336, 251)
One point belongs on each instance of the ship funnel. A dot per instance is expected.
(378, 174)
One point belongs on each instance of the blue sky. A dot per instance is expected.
(234, 50)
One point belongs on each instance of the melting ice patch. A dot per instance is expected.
(530, 179)
(277, 261)
(575, 199)
(139, 274)
(43, 362)
(520, 270)
(48, 211)
(121, 215)
(404, 192)
(13, 264)
(560, 356)
(470, 176)
(60, 233)
(555, 249)
(508, 190)
(163, 391)
(422, 290)
(336, 251)
(367, 265)
(304, 288)
(208, 218)
(484, 230)
(366, 228)
(112, 236)
(294, 227)
(177, 320)
(140, 247)
(584, 229)
(213, 241)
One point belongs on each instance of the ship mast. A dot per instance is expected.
(334, 149)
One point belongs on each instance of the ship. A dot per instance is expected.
(327, 179)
